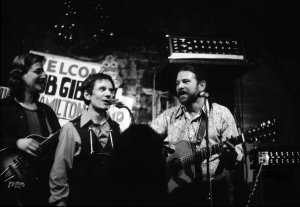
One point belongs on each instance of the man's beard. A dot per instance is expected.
(191, 98)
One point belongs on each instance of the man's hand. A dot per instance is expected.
(228, 155)
(28, 145)
(167, 149)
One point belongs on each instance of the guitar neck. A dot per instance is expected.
(202, 154)
(265, 131)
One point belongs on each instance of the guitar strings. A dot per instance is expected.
(7, 173)
(11, 177)
(187, 159)
(17, 170)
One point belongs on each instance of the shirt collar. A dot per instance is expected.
(86, 119)
(182, 109)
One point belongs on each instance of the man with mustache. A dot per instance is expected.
(22, 115)
(187, 122)
(79, 174)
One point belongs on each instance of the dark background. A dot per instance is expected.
(29, 24)
(267, 87)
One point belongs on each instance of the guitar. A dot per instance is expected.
(180, 164)
(19, 169)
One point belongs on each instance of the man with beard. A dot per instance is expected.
(184, 128)
(23, 115)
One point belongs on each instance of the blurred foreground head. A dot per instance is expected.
(139, 166)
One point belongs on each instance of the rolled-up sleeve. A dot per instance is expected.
(160, 125)
(67, 148)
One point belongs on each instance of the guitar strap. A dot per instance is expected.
(50, 130)
(201, 129)
(199, 139)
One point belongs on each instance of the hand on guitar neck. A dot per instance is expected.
(229, 155)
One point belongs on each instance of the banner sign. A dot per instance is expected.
(64, 78)
(62, 91)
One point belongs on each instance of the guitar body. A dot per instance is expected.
(18, 170)
(181, 164)
(182, 176)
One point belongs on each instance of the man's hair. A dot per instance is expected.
(20, 66)
(199, 73)
(89, 83)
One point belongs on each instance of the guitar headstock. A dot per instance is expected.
(266, 131)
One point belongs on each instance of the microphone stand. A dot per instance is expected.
(207, 152)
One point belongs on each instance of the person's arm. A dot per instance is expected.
(66, 149)
(160, 125)
(27, 145)
(8, 140)
(13, 125)
(232, 153)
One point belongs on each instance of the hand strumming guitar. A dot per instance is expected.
(28, 145)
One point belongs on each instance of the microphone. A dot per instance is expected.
(117, 103)
(203, 94)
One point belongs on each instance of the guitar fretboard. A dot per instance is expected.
(200, 155)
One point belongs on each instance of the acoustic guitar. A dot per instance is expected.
(181, 164)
